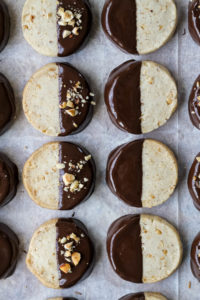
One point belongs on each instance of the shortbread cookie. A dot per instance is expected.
(195, 257)
(194, 102)
(143, 248)
(59, 175)
(144, 296)
(9, 249)
(194, 181)
(4, 25)
(56, 28)
(7, 104)
(194, 20)
(57, 100)
(143, 173)
(8, 180)
(139, 26)
(140, 96)
(60, 253)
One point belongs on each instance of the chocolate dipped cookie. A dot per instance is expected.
(56, 28)
(140, 96)
(61, 253)
(194, 20)
(144, 296)
(195, 257)
(194, 103)
(142, 173)
(194, 181)
(57, 100)
(59, 175)
(4, 25)
(139, 26)
(143, 248)
(9, 249)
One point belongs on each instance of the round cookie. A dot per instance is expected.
(194, 104)
(144, 296)
(139, 26)
(194, 181)
(59, 175)
(194, 20)
(142, 173)
(8, 180)
(143, 248)
(4, 25)
(140, 96)
(195, 258)
(9, 249)
(57, 100)
(7, 104)
(56, 28)
(60, 253)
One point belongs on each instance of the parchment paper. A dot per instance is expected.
(18, 61)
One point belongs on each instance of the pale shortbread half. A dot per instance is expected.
(39, 26)
(41, 176)
(41, 100)
(41, 258)
(156, 23)
(160, 173)
(161, 248)
(159, 96)
(58, 298)
(154, 296)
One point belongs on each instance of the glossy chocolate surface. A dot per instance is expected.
(195, 257)
(123, 98)
(74, 158)
(73, 87)
(9, 248)
(124, 172)
(64, 228)
(7, 104)
(194, 104)
(124, 248)
(137, 296)
(119, 24)
(4, 25)
(194, 181)
(8, 180)
(194, 20)
(73, 42)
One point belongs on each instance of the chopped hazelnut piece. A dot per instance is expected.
(75, 31)
(88, 157)
(72, 112)
(66, 33)
(76, 257)
(68, 16)
(74, 186)
(68, 178)
(74, 237)
(198, 158)
(70, 104)
(68, 246)
(67, 253)
(65, 268)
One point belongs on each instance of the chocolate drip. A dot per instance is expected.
(137, 296)
(8, 180)
(7, 104)
(123, 97)
(124, 247)
(124, 172)
(194, 181)
(81, 98)
(195, 257)
(194, 20)
(119, 24)
(73, 156)
(64, 228)
(73, 42)
(194, 104)
(9, 248)
(4, 25)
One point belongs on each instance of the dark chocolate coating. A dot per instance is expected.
(7, 104)
(85, 247)
(4, 25)
(8, 180)
(73, 153)
(137, 296)
(124, 172)
(194, 104)
(194, 182)
(70, 44)
(68, 77)
(9, 248)
(124, 248)
(194, 20)
(119, 24)
(123, 97)
(195, 257)
(69, 298)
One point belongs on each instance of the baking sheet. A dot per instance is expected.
(18, 61)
